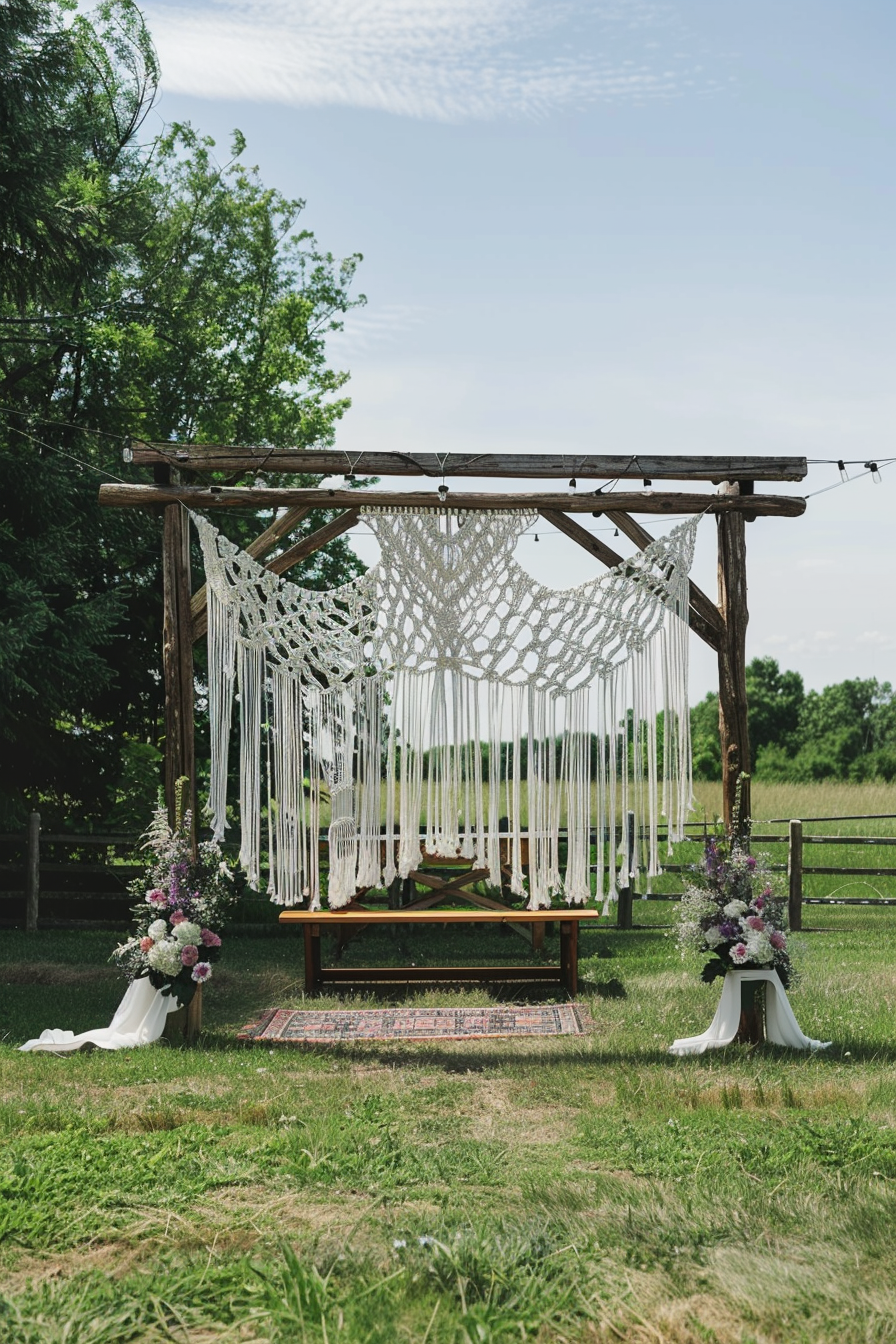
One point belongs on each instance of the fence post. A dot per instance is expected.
(32, 873)
(624, 907)
(795, 876)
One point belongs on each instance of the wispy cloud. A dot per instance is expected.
(368, 330)
(445, 60)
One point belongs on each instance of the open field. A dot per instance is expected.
(578, 1189)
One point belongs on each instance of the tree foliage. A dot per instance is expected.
(846, 731)
(147, 292)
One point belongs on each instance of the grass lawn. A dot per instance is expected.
(579, 1189)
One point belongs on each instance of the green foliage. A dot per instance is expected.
(146, 291)
(846, 731)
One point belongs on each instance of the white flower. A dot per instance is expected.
(760, 948)
(185, 932)
(734, 909)
(165, 957)
(157, 929)
(712, 937)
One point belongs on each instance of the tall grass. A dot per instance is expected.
(572, 1189)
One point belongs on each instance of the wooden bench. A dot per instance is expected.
(317, 922)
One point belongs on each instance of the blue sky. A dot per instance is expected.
(620, 227)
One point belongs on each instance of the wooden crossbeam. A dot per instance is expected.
(709, 630)
(308, 545)
(256, 497)
(300, 551)
(582, 466)
(701, 605)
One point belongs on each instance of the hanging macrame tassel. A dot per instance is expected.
(370, 750)
(493, 843)
(415, 694)
(250, 681)
(223, 627)
(389, 855)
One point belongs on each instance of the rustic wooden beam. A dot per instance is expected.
(255, 497)
(734, 729)
(581, 536)
(609, 557)
(258, 548)
(701, 605)
(177, 658)
(581, 466)
(306, 546)
(300, 551)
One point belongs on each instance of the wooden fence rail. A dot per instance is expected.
(33, 869)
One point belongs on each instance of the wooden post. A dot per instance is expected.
(751, 1030)
(32, 873)
(795, 876)
(184, 1025)
(733, 727)
(177, 657)
(626, 895)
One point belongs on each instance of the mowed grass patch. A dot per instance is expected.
(582, 1188)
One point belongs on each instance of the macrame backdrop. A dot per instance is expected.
(449, 674)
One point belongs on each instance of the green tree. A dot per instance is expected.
(153, 294)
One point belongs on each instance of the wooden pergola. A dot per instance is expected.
(181, 476)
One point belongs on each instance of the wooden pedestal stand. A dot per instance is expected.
(183, 1026)
(751, 1030)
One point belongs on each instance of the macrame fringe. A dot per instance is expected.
(444, 751)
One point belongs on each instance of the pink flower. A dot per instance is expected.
(754, 922)
(202, 971)
(178, 917)
(209, 939)
(759, 903)
(777, 939)
(739, 954)
(190, 955)
(156, 897)
(145, 944)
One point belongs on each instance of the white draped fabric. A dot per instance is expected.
(423, 694)
(139, 1019)
(781, 1027)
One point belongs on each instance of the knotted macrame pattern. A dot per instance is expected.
(446, 701)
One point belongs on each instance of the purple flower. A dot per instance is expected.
(759, 903)
(190, 955)
(202, 971)
(729, 930)
(777, 939)
(751, 863)
(209, 939)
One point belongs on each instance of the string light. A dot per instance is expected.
(841, 467)
(875, 473)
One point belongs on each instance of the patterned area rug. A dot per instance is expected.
(284, 1026)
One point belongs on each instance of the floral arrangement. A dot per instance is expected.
(181, 905)
(730, 909)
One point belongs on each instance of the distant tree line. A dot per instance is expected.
(845, 732)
